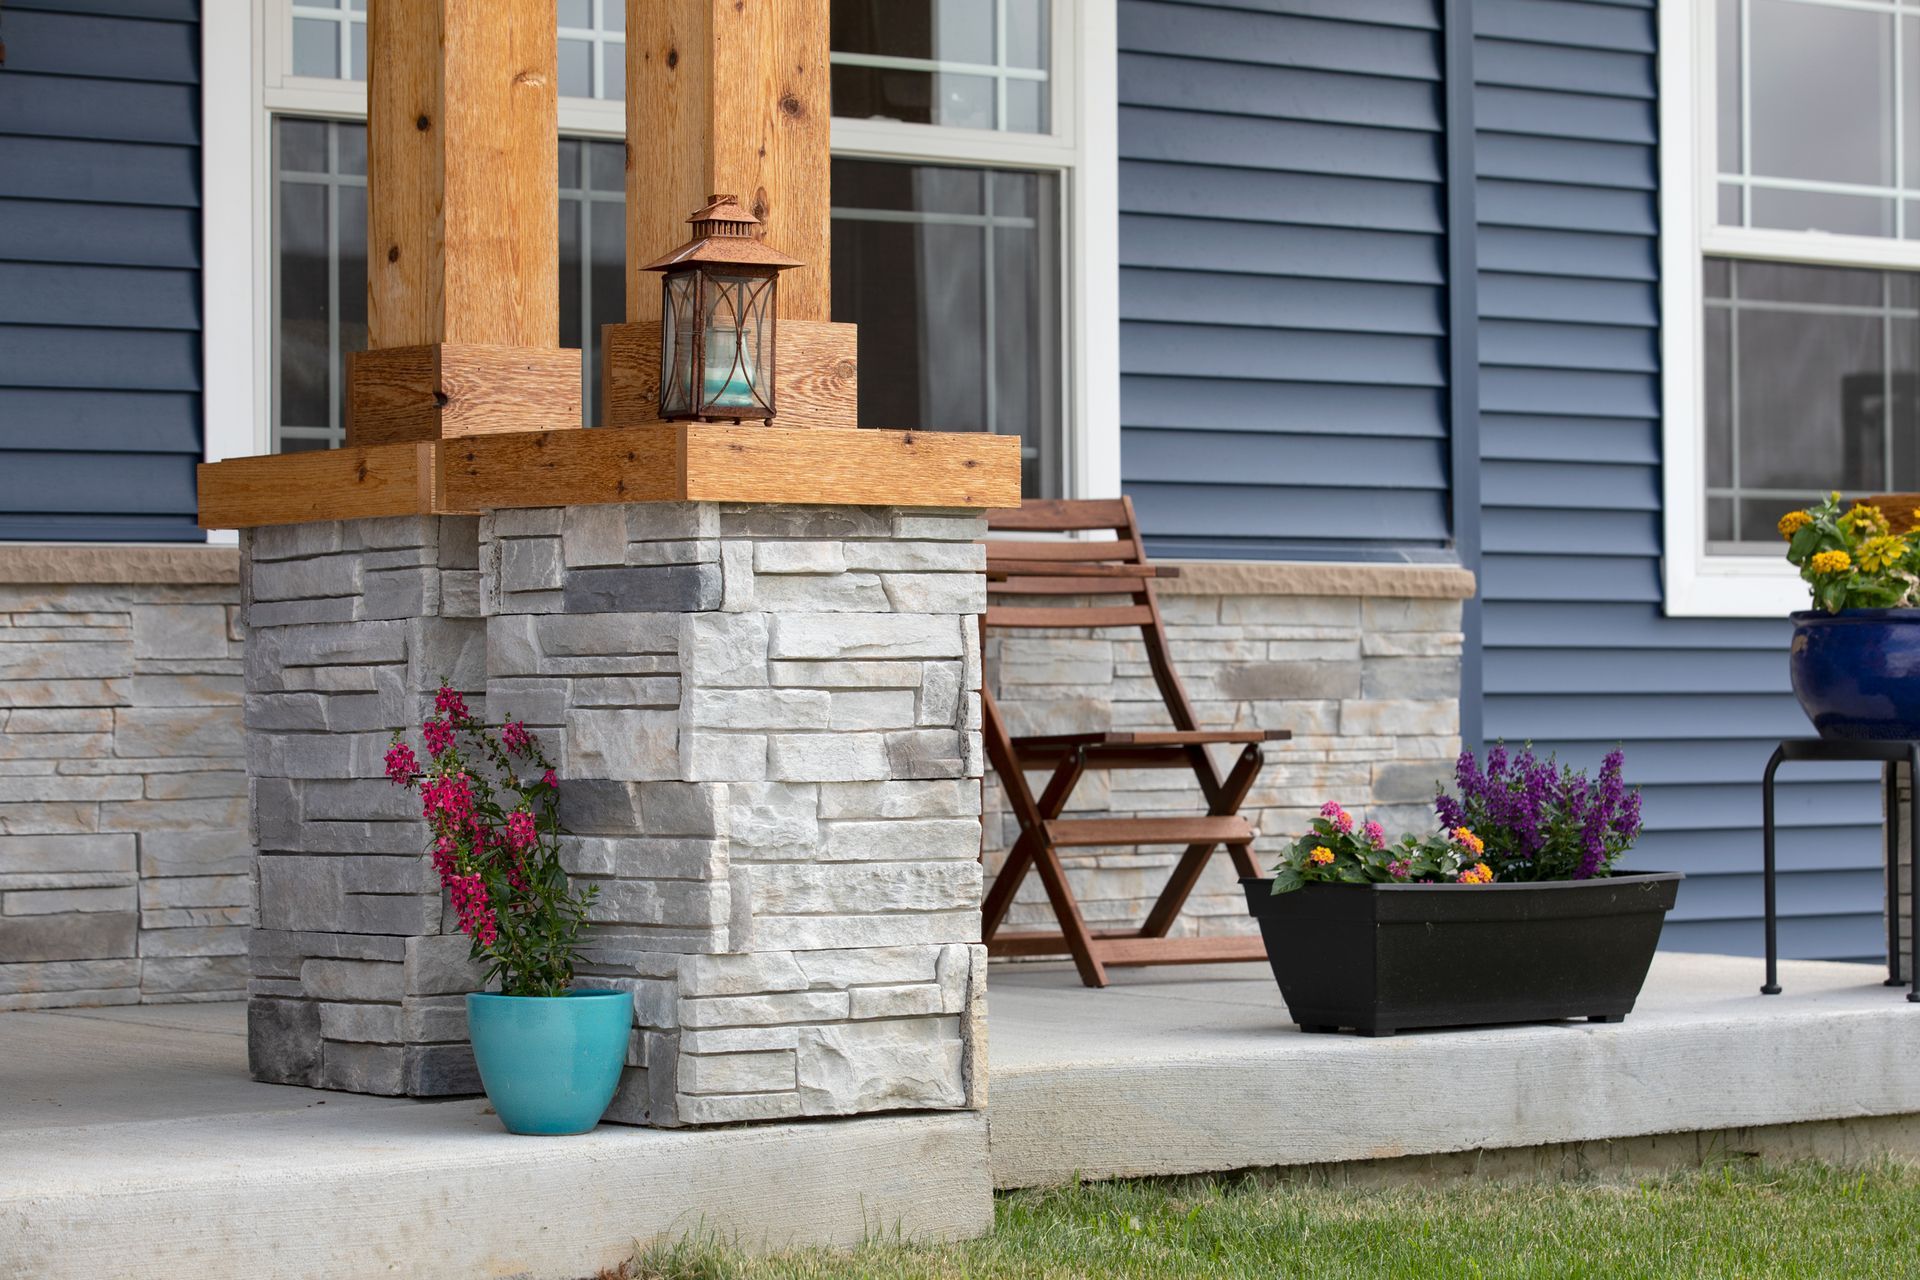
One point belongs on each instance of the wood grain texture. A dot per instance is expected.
(448, 390)
(540, 469)
(816, 379)
(730, 97)
(340, 484)
(866, 468)
(462, 173)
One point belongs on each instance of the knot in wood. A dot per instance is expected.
(423, 124)
(673, 58)
(791, 105)
(393, 253)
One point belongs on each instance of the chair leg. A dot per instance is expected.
(993, 910)
(1073, 926)
(1193, 863)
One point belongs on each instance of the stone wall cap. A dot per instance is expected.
(109, 562)
(1319, 578)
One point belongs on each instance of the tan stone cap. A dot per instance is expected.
(1318, 578)
(84, 563)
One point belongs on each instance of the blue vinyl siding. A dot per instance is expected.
(1283, 283)
(1577, 654)
(100, 357)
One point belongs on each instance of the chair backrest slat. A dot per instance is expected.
(1125, 551)
(1066, 515)
(1127, 615)
(1042, 585)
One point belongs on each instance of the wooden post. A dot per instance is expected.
(462, 225)
(731, 97)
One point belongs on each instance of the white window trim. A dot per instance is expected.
(247, 56)
(1698, 584)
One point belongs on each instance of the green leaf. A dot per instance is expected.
(1286, 880)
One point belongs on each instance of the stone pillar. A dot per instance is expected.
(768, 723)
(357, 969)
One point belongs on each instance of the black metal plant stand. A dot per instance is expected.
(1890, 754)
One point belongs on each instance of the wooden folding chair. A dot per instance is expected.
(1071, 584)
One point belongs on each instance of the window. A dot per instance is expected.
(974, 230)
(1790, 180)
(973, 225)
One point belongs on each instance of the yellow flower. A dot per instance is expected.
(1832, 562)
(1881, 552)
(1863, 518)
(1478, 873)
(1794, 521)
(1468, 840)
(1321, 856)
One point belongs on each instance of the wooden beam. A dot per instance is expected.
(729, 97)
(667, 462)
(448, 390)
(337, 484)
(817, 383)
(463, 228)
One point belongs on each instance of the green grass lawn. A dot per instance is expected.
(1735, 1221)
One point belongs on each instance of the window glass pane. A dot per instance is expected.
(966, 64)
(316, 48)
(1810, 386)
(958, 307)
(576, 13)
(576, 69)
(1822, 211)
(1726, 32)
(305, 279)
(1027, 34)
(613, 78)
(613, 15)
(357, 36)
(1729, 213)
(303, 145)
(1822, 103)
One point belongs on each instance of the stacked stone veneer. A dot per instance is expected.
(767, 724)
(768, 720)
(357, 970)
(1368, 684)
(123, 850)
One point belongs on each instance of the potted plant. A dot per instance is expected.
(549, 1054)
(1856, 653)
(1511, 912)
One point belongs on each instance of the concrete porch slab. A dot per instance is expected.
(1189, 1070)
(133, 1144)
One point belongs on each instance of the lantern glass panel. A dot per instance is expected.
(677, 316)
(739, 346)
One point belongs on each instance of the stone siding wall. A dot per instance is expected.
(358, 971)
(768, 722)
(1368, 685)
(123, 847)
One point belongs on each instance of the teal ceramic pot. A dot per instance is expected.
(550, 1064)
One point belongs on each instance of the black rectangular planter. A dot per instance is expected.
(1382, 958)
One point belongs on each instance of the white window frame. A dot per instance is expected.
(1698, 584)
(247, 56)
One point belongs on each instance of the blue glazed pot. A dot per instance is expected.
(550, 1064)
(1857, 672)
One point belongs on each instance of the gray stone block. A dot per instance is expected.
(880, 635)
(195, 853)
(907, 1064)
(927, 753)
(529, 564)
(93, 935)
(725, 650)
(1319, 679)
(363, 1068)
(864, 888)
(400, 593)
(593, 535)
(622, 744)
(67, 853)
(671, 521)
(671, 588)
(369, 980)
(283, 1041)
(740, 520)
(363, 1023)
(441, 964)
(179, 631)
(1411, 678)
(827, 757)
(440, 1071)
(189, 975)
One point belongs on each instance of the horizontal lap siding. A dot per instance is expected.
(1577, 652)
(1282, 283)
(100, 354)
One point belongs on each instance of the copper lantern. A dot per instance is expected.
(717, 318)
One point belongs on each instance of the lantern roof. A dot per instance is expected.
(724, 234)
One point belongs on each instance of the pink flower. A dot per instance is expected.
(515, 738)
(1376, 835)
(1331, 809)
(521, 832)
(451, 705)
(1344, 823)
(445, 858)
(550, 778)
(439, 736)
(402, 766)
(447, 801)
(477, 918)
(1397, 869)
